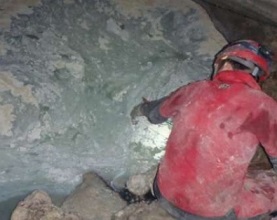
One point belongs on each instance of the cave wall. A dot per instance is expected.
(71, 72)
(262, 10)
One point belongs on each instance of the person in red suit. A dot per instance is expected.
(218, 124)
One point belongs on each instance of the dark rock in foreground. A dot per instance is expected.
(91, 200)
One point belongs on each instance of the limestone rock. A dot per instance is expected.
(93, 199)
(143, 211)
(38, 206)
(140, 184)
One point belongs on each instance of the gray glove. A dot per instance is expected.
(149, 110)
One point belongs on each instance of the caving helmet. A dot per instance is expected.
(249, 54)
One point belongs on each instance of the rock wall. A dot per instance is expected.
(264, 10)
(70, 73)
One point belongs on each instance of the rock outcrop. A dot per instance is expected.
(38, 206)
(93, 199)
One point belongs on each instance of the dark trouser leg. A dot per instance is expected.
(261, 217)
(182, 215)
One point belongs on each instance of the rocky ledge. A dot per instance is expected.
(94, 199)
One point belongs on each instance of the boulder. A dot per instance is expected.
(93, 199)
(141, 183)
(143, 211)
(38, 206)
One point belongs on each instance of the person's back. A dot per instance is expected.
(217, 126)
(216, 123)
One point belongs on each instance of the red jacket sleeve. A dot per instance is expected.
(171, 105)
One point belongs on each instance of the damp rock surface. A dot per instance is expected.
(70, 73)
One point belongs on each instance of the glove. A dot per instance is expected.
(138, 111)
(150, 110)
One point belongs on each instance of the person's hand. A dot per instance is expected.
(137, 111)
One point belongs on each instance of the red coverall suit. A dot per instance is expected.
(217, 127)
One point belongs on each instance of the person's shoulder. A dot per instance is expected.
(199, 82)
(264, 99)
